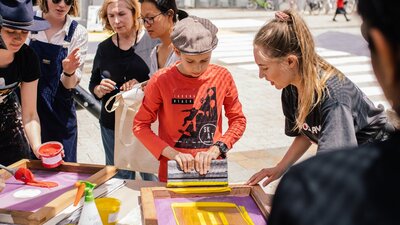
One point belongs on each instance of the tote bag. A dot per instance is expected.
(129, 152)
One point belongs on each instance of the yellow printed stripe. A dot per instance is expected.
(175, 215)
(212, 218)
(203, 204)
(223, 218)
(201, 218)
(200, 190)
(246, 215)
(196, 184)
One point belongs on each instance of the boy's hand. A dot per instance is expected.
(203, 159)
(185, 161)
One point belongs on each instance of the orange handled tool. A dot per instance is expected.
(81, 189)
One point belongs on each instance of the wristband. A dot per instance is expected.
(68, 75)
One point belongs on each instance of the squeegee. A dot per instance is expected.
(216, 176)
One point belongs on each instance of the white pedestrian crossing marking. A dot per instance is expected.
(237, 50)
(237, 23)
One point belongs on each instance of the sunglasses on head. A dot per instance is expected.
(67, 2)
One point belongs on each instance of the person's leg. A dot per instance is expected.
(334, 17)
(148, 176)
(345, 16)
(107, 136)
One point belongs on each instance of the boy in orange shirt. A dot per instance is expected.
(187, 98)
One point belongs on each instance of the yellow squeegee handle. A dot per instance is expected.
(197, 184)
(200, 190)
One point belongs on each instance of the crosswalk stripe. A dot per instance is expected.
(365, 78)
(234, 60)
(372, 91)
(348, 60)
(237, 23)
(237, 50)
(348, 69)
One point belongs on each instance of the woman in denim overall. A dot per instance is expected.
(60, 62)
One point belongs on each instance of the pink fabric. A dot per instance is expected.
(165, 215)
(65, 182)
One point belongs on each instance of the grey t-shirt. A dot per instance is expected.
(172, 58)
(145, 46)
(344, 118)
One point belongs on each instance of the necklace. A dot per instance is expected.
(134, 44)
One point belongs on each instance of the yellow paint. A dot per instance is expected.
(201, 218)
(212, 218)
(196, 184)
(200, 190)
(246, 215)
(223, 218)
(195, 215)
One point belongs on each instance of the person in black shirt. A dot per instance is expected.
(121, 61)
(320, 104)
(19, 67)
(355, 186)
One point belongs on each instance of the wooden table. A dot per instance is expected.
(129, 196)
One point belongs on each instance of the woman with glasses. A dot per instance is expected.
(159, 17)
(121, 61)
(61, 50)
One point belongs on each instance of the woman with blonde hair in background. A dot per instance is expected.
(61, 50)
(159, 17)
(320, 104)
(121, 61)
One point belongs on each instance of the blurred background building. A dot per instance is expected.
(84, 5)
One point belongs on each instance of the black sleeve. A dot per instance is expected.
(95, 78)
(29, 64)
(337, 129)
(289, 103)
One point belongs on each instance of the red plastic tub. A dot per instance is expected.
(50, 153)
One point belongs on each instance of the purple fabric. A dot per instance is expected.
(65, 180)
(165, 215)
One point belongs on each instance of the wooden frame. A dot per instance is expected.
(100, 175)
(149, 194)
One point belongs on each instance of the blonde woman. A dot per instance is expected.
(159, 17)
(121, 61)
(61, 50)
(320, 104)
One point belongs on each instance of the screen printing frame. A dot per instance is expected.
(100, 174)
(149, 194)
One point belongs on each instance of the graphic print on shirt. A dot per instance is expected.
(6, 90)
(312, 129)
(199, 124)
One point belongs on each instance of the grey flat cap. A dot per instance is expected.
(194, 35)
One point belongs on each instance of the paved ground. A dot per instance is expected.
(264, 142)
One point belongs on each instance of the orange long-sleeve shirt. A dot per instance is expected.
(189, 112)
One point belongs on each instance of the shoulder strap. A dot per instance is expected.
(71, 31)
(117, 98)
